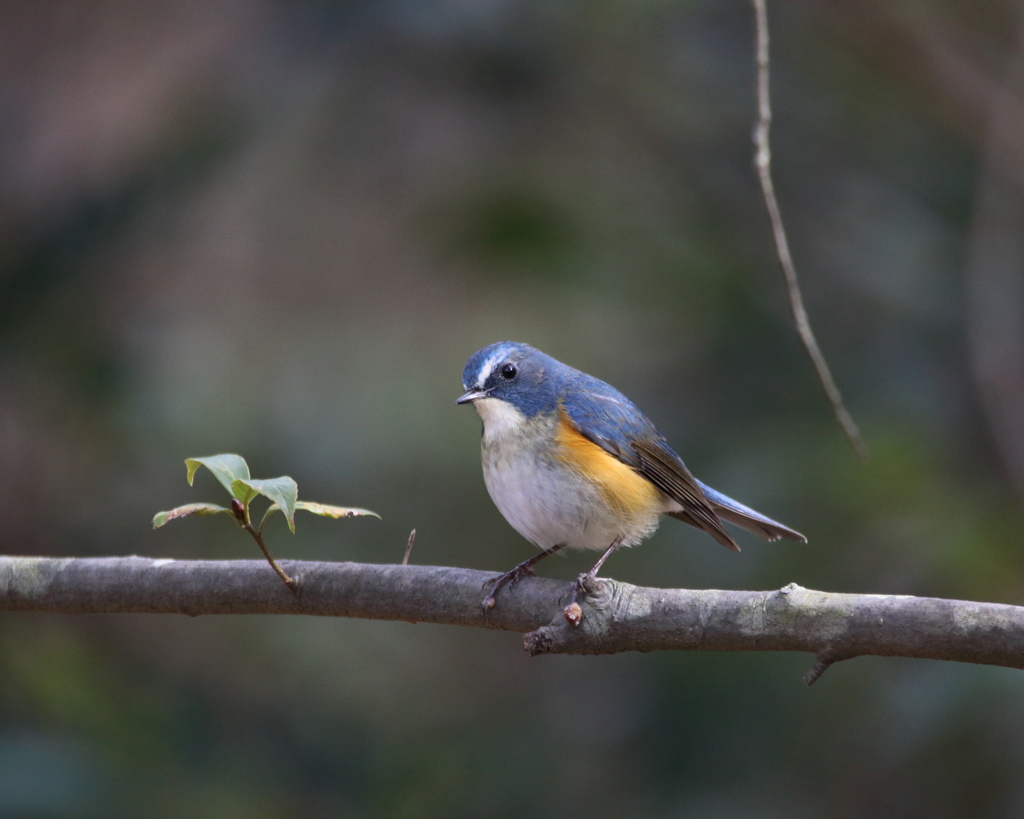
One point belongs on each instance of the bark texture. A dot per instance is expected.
(615, 616)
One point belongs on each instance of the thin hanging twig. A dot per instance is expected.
(763, 163)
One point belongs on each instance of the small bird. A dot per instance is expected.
(573, 464)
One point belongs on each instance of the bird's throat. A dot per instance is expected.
(501, 419)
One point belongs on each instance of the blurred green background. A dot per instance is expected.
(281, 228)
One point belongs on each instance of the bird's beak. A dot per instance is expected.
(471, 396)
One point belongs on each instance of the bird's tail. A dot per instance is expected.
(735, 512)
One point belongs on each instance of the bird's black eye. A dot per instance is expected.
(509, 371)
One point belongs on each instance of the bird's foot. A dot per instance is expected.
(583, 585)
(510, 578)
(579, 587)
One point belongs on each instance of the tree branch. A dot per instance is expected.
(616, 616)
(763, 164)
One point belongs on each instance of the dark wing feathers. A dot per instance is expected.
(666, 470)
(605, 416)
(735, 512)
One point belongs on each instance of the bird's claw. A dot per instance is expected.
(510, 578)
(573, 590)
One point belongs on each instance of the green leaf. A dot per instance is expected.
(243, 491)
(200, 510)
(282, 491)
(335, 512)
(227, 468)
(323, 510)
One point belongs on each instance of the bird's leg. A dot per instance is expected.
(512, 577)
(579, 587)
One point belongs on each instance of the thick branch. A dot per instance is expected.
(616, 616)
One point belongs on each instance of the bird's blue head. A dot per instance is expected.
(515, 373)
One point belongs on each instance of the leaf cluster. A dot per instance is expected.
(233, 473)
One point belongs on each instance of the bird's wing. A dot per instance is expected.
(605, 416)
(735, 512)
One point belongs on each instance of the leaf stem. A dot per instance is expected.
(258, 537)
(241, 512)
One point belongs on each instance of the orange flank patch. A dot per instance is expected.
(622, 486)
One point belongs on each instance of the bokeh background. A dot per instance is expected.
(280, 229)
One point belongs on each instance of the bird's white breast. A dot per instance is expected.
(542, 498)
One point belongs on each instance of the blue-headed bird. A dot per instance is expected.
(573, 464)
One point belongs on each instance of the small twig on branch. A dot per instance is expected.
(822, 664)
(763, 163)
(408, 548)
(616, 616)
